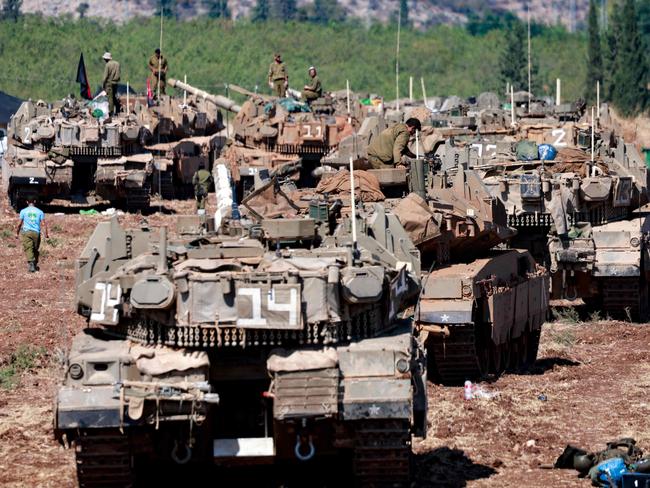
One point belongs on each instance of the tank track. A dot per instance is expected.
(622, 298)
(464, 355)
(382, 454)
(138, 199)
(164, 185)
(455, 358)
(104, 459)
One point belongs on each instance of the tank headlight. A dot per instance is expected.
(75, 371)
(402, 365)
(634, 241)
(467, 291)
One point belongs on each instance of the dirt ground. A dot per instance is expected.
(593, 380)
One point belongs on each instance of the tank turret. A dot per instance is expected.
(278, 342)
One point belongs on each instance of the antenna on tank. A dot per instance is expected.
(353, 204)
(399, 29)
(529, 60)
(160, 46)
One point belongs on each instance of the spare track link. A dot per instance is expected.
(104, 459)
(382, 454)
(456, 358)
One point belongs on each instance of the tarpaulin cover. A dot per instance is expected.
(526, 151)
(154, 360)
(289, 104)
(269, 203)
(283, 360)
(366, 185)
(546, 152)
(417, 219)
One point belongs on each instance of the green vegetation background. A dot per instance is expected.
(38, 56)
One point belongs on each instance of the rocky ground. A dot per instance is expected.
(589, 385)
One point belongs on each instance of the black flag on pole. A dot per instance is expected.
(82, 79)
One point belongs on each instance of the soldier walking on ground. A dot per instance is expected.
(278, 77)
(386, 150)
(158, 68)
(202, 180)
(313, 89)
(110, 80)
(29, 232)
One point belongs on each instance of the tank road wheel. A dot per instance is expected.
(382, 454)
(104, 459)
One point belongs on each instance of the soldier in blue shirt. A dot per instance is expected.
(29, 231)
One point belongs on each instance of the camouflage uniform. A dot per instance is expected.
(387, 148)
(201, 180)
(278, 76)
(158, 65)
(109, 83)
(313, 90)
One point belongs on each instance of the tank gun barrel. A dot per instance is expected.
(219, 100)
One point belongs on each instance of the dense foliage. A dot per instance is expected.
(627, 80)
(39, 55)
(594, 54)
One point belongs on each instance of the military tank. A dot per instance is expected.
(184, 134)
(268, 133)
(277, 342)
(481, 308)
(63, 151)
(577, 214)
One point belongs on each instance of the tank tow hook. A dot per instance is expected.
(185, 449)
(303, 440)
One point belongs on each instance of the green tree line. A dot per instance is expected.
(39, 55)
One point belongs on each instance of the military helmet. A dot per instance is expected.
(583, 462)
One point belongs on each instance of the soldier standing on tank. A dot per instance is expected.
(387, 149)
(278, 77)
(313, 89)
(158, 68)
(32, 219)
(202, 180)
(109, 82)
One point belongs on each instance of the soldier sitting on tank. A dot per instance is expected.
(202, 180)
(313, 89)
(158, 67)
(386, 150)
